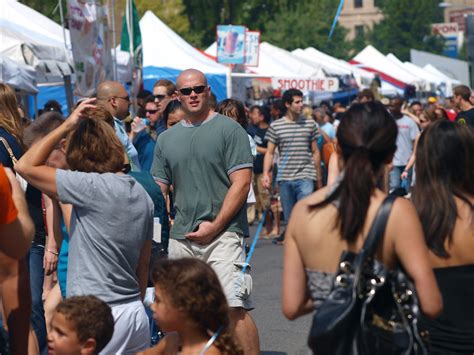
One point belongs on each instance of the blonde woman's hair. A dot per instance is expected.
(10, 118)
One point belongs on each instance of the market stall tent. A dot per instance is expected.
(18, 76)
(372, 60)
(166, 54)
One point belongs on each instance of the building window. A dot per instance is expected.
(358, 3)
(359, 31)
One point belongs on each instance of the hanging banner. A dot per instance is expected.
(90, 45)
(231, 44)
(252, 47)
(306, 84)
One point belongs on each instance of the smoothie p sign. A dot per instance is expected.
(231, 44)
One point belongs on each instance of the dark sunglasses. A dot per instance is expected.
(159, 97)
(126, 98)
(197, 89)
(151, 112)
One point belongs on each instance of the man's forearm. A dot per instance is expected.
(317, 166)
(267, 162)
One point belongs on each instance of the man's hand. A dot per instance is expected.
(205, 233)
(267, 181)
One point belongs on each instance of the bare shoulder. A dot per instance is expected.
(213, 350)
(315, 197)
(301, 209)
(403, 209)
(169, 345)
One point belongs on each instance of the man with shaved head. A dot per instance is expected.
(207, 159)
(114, 98)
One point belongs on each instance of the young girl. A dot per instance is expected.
(191, 308)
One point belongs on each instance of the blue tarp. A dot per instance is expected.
(217, 82)
(150, 76)
(46, 93)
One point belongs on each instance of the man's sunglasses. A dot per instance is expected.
(151, 112)
(197, 89)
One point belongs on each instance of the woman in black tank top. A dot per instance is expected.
(444, 197)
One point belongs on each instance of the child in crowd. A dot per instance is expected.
(80, 325)
(191, 308)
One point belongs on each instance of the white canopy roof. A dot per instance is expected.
(29, 37)
(423, 80)
(277, 62)
(432, 69)
(315, 61)
(162, 47)
(335, 66)
(372, 58)
(18, 76)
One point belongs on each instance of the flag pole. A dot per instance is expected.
(114, 43)
(132, 52)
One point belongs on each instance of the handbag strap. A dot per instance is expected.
(9, 150)
(377, 230)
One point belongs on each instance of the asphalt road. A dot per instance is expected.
(278, 335)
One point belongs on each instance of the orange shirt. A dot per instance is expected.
(8, 211)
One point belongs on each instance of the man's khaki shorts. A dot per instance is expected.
(226, 255)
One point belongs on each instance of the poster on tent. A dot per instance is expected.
(231, 44)
(90, 45)
(252, 46)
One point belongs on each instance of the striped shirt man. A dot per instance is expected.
(293, 139)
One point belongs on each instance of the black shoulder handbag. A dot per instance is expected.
(370, 309)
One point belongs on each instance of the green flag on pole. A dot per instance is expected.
(131, 39)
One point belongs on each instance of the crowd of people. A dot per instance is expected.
(127, 234)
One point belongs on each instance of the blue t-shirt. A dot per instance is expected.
(62, 260)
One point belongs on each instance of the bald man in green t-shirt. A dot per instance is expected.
(207, 160)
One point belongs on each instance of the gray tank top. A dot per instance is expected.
(319, 284)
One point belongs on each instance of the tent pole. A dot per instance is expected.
(229, 81)
(68, 90)
(61, 14)
(36, 105)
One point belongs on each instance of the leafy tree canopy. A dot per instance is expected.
(407, 24)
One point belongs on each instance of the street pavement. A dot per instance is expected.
(278, 335)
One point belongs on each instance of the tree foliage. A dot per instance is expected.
(307, 24)
(46, 7)
(171, 12)
(407, 24)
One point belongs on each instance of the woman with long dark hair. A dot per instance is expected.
(338, 218)
(444, 198)
(29, 272)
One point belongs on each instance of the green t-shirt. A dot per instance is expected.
(197, 160)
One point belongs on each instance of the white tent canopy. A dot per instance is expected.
(334, 65)
(424, 83)
(449, 81)
(29, 37)
(18, 76)
(162, 47)
(372, 58)
(329, 67)
(277, 62)
(274, 56)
